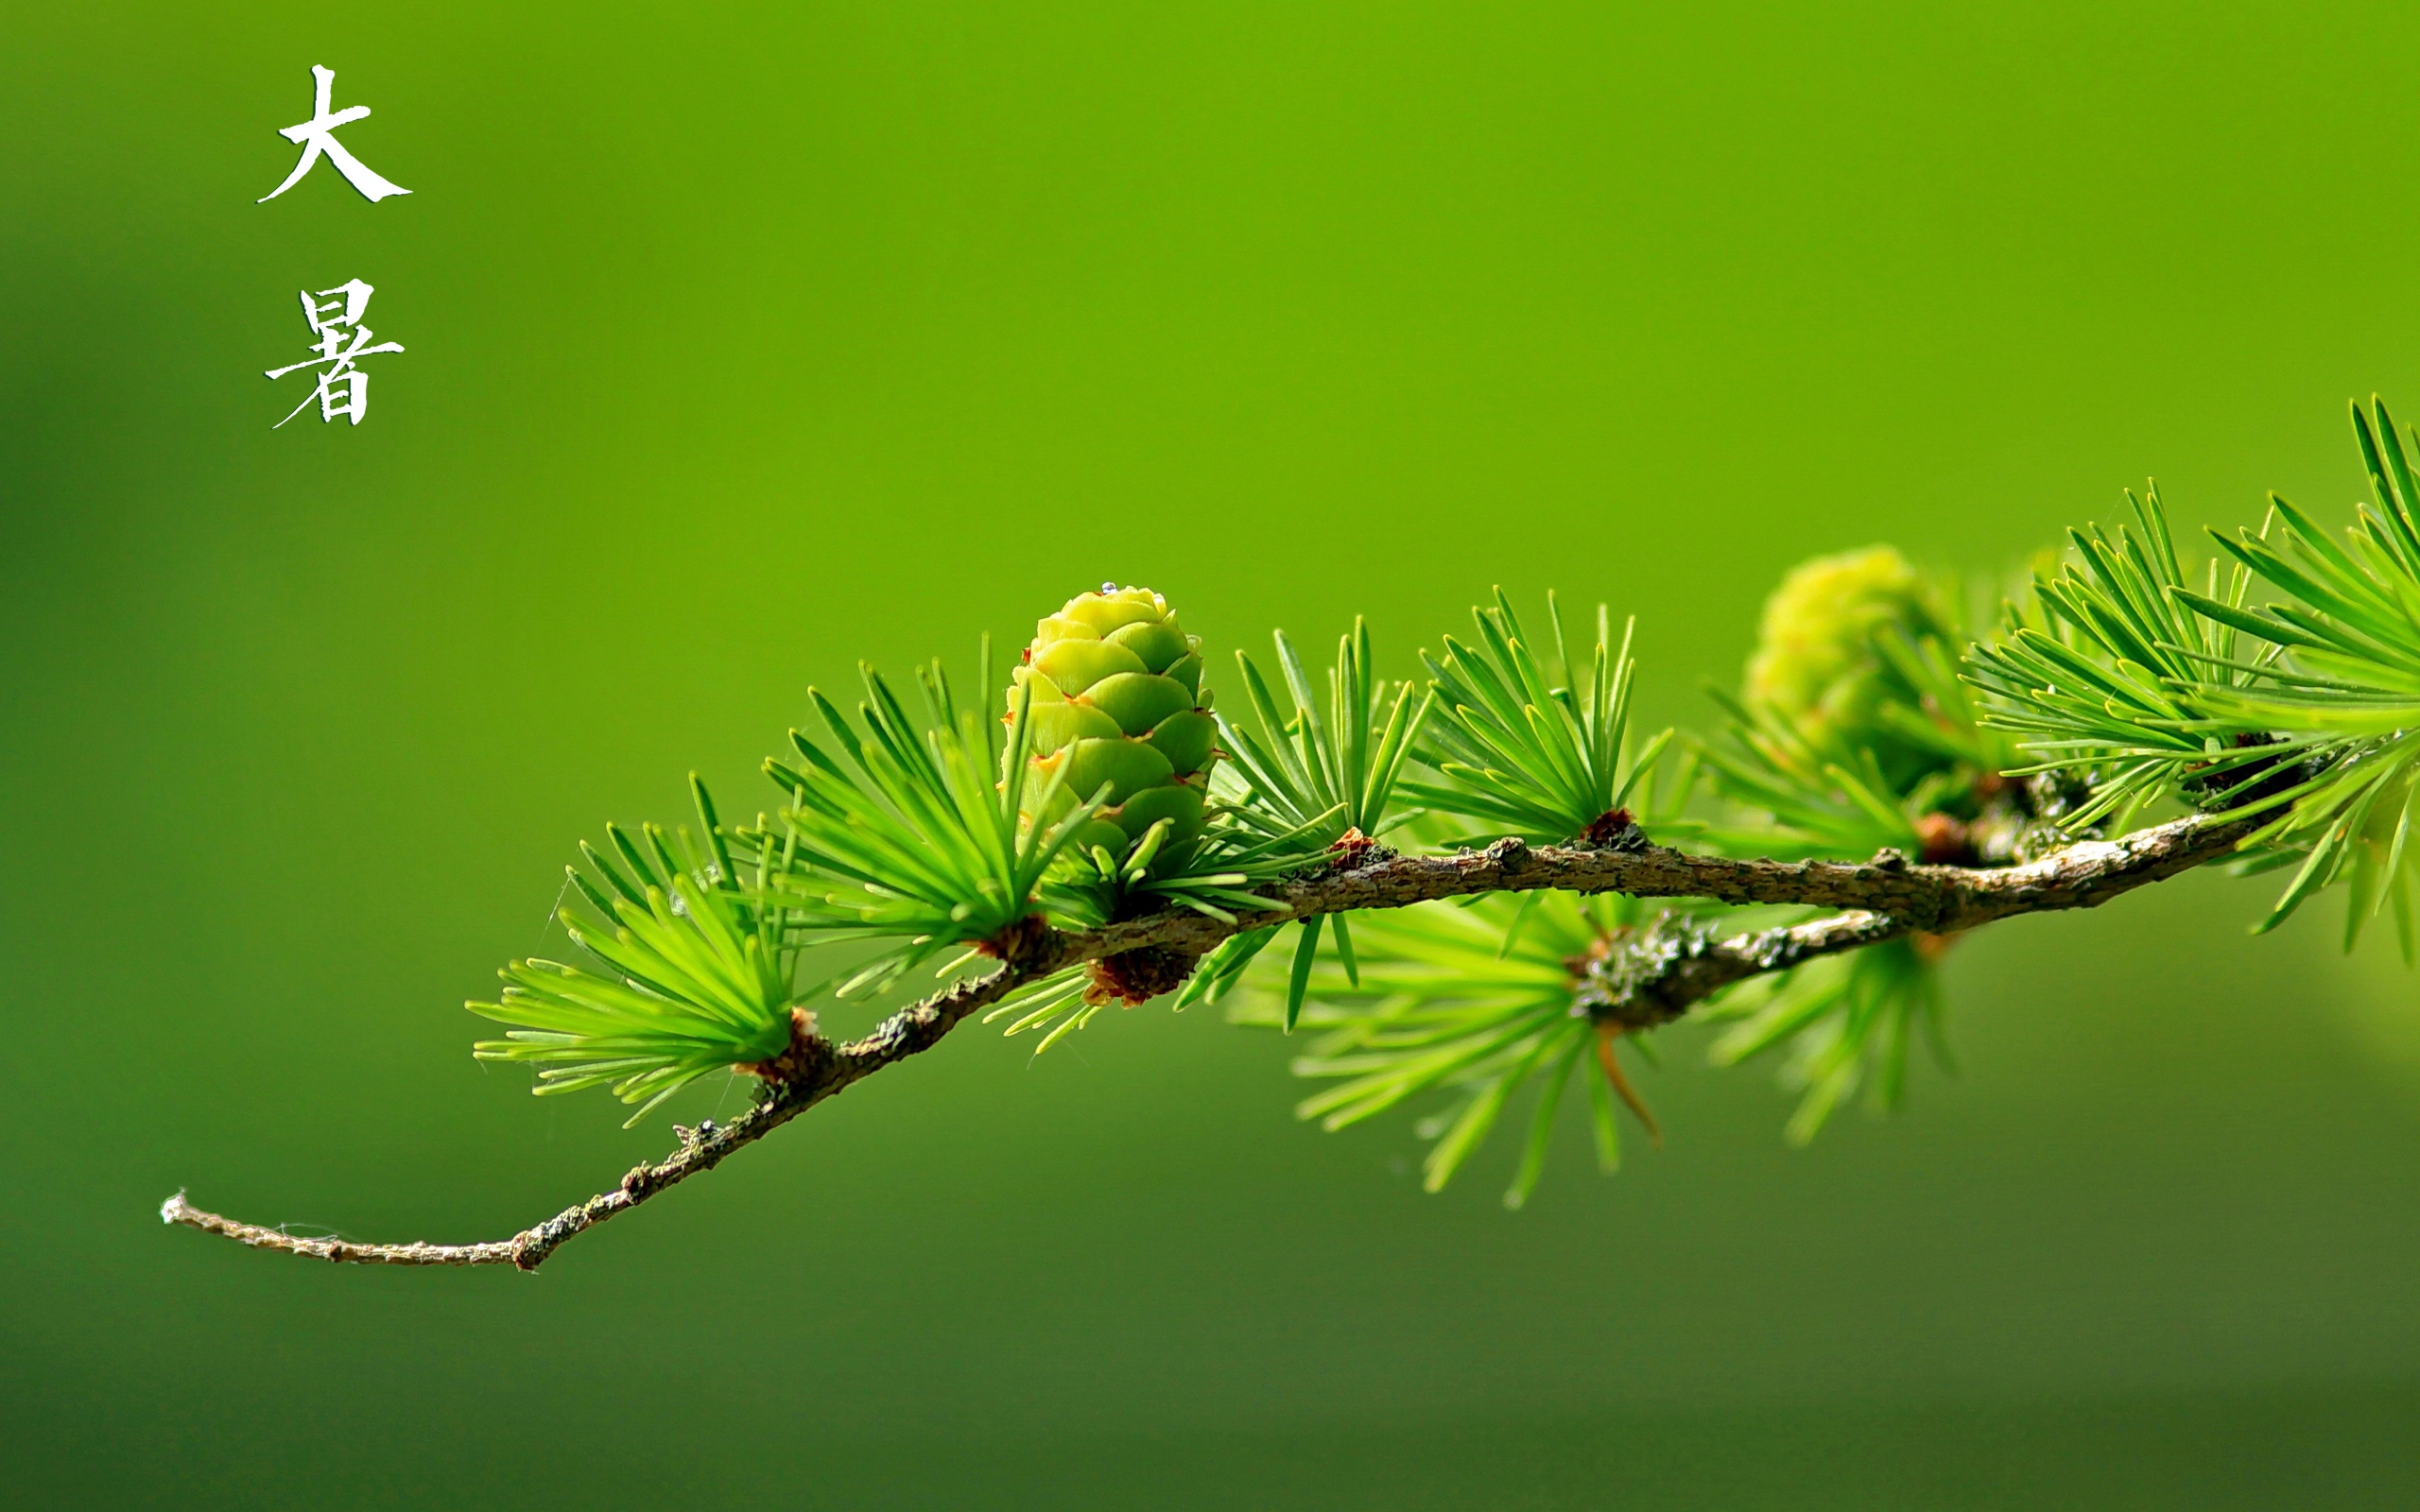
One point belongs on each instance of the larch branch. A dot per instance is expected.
(1670, 969)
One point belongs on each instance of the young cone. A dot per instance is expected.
(1817, 663)
(1117, 702)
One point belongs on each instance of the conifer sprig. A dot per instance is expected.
(1228, 861)
(2344, 704)
(1846, 1019)
(1808, 802)
(1330, 767)
(2115, 674)
(1520, 751)
(2153, 691)
(689, 975)
(1318, 778)
(1476, 1002)
(1445, 982)
(912, 835)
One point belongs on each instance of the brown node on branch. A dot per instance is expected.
(1614, 830)
(808, 1053)
(1137, 976)
(1947, 840)
(1352, 848)
(1017, 943)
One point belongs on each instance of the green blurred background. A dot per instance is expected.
(745, 341)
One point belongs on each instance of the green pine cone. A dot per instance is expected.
(1117, 698)
(1816, 664)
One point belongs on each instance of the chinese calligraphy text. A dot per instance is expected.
(316, 137)
(335, 316)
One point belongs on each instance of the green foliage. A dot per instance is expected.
(1330, 767)
(1454, 997)
(1519, 751)
(1055, 1007)
(1839, 745)
(1474, 1003)
(1316, 778)
(1805, 757)
(1823, 664)
(2345, 703)
(1229, 860)
(1846, 1019)
(905, 838)
(689, 976)
(1808, 800)
(2152, 691)
(2110, 677)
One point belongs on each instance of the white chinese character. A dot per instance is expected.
(343, 389)
(318, 139)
